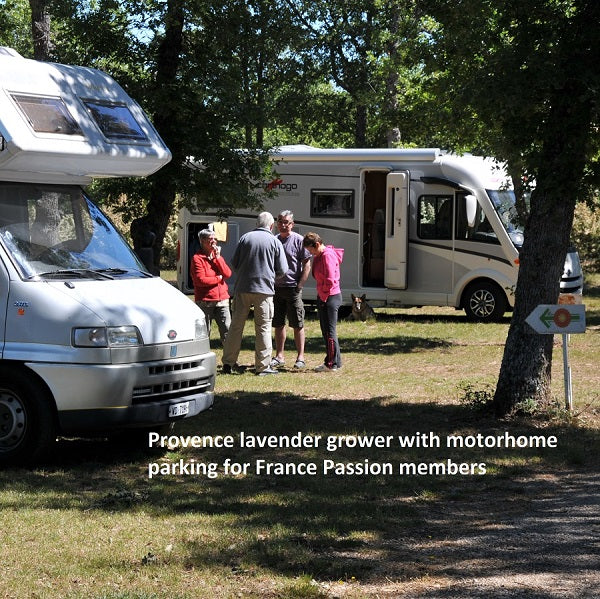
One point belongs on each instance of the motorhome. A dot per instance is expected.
(419, 227)
(90, 343)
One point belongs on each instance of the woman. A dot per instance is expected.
(209, 272)
(326, 271)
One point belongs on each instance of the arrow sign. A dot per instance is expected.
(550, 319)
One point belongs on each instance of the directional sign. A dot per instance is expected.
(563, 318)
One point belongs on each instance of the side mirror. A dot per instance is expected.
(471, 209)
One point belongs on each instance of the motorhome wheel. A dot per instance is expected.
(484, 301)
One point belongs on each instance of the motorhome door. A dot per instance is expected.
(396, 235)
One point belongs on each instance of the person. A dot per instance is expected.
(209, 274)
(257, 260)
(326, 271)
(288, 291)
(143, 239)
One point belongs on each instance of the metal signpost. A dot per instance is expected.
(562, 319)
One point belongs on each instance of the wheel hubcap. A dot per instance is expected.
(12, 420)
(482, 303)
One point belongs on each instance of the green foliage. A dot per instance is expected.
(15, 26)
(478, 399)
(586, 232)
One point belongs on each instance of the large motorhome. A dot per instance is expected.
(90, 343)
(419, 227)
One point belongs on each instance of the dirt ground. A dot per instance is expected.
(533, 538)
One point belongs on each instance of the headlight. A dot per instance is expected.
(201, 330)
(124, 336)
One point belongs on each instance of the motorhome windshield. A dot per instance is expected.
(55, 232)
(505, 204)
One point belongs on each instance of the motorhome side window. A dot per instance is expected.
(47, 114)
(479, 230)
(435, 217)
(332, 203)
(115, 121)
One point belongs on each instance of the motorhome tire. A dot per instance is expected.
(484, 301)
(26, 419)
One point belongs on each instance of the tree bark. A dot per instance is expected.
(40, 29)
(166, 120)
(525, 372)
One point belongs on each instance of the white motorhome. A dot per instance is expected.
(419, 227)
(89, 341)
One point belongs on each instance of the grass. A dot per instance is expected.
(90, 523)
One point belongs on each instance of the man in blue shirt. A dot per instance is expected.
(288, 291)
(258, 259)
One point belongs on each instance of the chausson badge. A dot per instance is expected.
(172, 334)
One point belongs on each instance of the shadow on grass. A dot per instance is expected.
(335, 526)
(380, 344)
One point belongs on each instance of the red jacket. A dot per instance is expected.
(209, 278)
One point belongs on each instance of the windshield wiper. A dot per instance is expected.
(122, 271)
(75, 273)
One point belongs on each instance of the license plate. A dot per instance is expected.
(179, 409)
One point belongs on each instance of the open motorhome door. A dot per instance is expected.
(396, 237)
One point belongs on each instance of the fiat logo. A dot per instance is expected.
(172, 334)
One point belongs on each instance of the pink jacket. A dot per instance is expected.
(326, 271)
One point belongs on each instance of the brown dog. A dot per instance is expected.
(361, 309)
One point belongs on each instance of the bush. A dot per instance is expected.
(586, 233)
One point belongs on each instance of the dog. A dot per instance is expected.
(361, 309)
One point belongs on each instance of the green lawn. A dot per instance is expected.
(91, 523)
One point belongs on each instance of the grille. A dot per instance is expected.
(181, 386)
(165, 369)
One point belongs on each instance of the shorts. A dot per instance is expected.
(288, 303)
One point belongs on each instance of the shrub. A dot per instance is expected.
(586, 232)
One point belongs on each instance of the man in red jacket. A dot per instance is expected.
(209, 272)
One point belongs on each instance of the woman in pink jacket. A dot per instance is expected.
(326, 271)
(209, 272)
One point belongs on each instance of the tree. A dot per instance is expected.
(40, 29)
(526, 71)
(15, 26)
(367, 49)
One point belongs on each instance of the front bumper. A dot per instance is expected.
(100, 396)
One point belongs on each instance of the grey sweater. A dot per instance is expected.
(258, 259)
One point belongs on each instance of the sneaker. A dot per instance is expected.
(227, 369)
(276, 362)
(267, 371)
(325, 368)
(299, 364)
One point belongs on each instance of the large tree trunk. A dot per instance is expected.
(166, 120)
(40, 29)
(526, 366)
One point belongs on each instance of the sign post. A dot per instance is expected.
(561, 319)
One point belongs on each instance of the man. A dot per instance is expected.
(209, 272)
(288, 291)
(258, 259)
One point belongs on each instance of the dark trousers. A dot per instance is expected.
(328, 316)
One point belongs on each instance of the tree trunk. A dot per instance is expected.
(166, 120)
(40, 29)
(360, 131)
(526, 365)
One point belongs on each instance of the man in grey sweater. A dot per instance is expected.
(258, 259)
